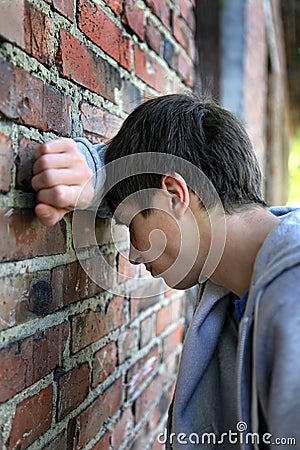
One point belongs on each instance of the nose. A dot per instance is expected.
(134, 255)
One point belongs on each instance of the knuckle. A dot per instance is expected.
(58, 194)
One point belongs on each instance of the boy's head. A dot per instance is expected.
(194, 130)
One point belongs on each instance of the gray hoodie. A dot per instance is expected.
(242, 379)
(236, 380)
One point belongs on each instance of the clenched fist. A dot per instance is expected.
(60, 174)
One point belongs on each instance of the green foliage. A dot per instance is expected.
(294, 169)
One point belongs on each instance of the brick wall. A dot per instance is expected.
(81, 367)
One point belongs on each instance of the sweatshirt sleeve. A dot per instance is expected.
(94, 155)
(278, 358)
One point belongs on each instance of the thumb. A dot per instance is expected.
(49, 215)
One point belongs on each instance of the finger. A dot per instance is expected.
(66, 197)
(61, 145)
(55, 177)
(57, 161)
(49, 215)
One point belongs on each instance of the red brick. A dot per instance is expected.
(153, 36)
(100, 124)
(6, 163)
(39, 35)
(72, 283)
(147, 398)
(72, 389)
(185, 69)
(103, 443)
(188, 13)
(23, 236)
(163, 319)
(27, 361)
(161, 10)
(65, 7)
(126, 270)
(11, 24)
(87, 424)
(172, 340)
(24, 163)
(180, 31)
(32, 419)
(122, 428)
(28, 100)
(134, 18)
(127, 344)
(141, 370)
(115, 5)
(150, 71)
(16, 302)
(145, 297)
(81, 65)
(147, 330)
(90, 326)
(104, 32)
(104, 363)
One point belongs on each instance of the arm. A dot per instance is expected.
(66, 174)
(278, 356)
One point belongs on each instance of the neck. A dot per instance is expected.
(246, 233)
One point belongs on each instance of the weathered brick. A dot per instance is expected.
(23, 236)
(71, 282)
(188, 13)
(79, 64)
(127, 344)
(27, 361)
(147, 330)
(180, 31)
(161, 10)
(145, 296)
(134, 18)
(153, 36)
(11, 24)
(32, 419)
(116, 6)
(103, 443)
(104, 363)
(104, 32)
(24, 164)
(72, 389)
(131, 96)
(163, 319)
(90, 326)
(6, 163)
(169, 53)
(141, 370)
(185, 69)
(14, 305)
(147, 398)
(172, 340)
(97, 122)
(87, 424)
(65, 7)
(59, 442)
(126, 270)
(28, 100)
(151, 71)
(39, 35)
(122, 428)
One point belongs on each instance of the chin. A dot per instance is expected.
(180, 285)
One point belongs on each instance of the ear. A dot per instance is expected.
(179, 193)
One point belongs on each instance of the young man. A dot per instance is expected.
(238, 384)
